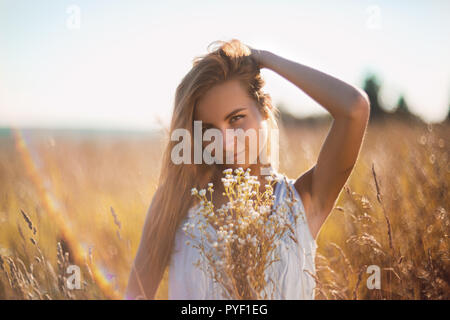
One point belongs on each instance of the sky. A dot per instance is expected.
(116, 64)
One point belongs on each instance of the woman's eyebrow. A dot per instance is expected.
(234, 112)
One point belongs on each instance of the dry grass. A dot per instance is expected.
(82, 200)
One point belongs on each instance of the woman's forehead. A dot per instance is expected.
(222, 99)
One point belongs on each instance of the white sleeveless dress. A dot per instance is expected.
(291, 273)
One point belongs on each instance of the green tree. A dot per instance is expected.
(402, 106)
(372, 88)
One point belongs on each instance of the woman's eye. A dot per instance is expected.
(236, 118)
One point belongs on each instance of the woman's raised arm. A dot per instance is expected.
(349, 106)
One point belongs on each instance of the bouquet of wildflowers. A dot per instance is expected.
(238, 240)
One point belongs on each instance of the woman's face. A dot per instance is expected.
(228, 106)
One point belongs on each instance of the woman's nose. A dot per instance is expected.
(228, 140)
(233, 140)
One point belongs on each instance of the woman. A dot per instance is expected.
(223, 90)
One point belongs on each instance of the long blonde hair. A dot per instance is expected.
(228, 60)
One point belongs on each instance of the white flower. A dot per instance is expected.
(202, 192)
(255, 214)
(194, 191)
(222, 234)
(228, 171)
(264, 209)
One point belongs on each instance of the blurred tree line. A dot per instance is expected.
(378, 111)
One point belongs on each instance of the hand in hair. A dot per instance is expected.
(258, 55)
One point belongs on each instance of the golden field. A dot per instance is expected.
(81, 198)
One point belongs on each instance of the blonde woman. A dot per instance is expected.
(223, 90)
